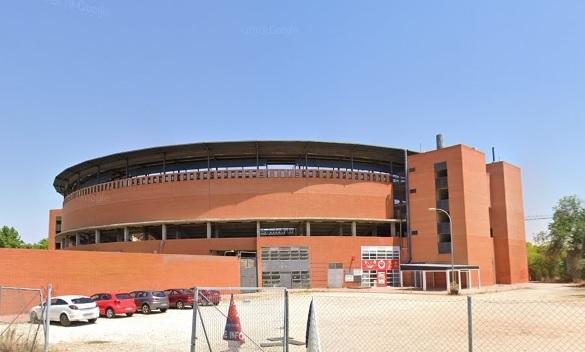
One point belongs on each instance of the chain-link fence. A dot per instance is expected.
(23, 319)
(248, 319)
(358, 321)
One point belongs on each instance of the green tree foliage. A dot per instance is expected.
(560, 250)
(9, 238)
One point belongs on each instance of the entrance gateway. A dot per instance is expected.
(380, 266)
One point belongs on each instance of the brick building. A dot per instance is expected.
(304, 214)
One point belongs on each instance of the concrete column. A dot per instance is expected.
(393, 229)
(208, 229)
(126, 234)
(77, 240)
(97, 236)
(353, 228)
(308, 229)
(340, 229)
(257, 228)
(448, 273)
(164, 232)
(424, 280)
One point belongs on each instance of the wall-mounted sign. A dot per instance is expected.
(348, 278)
(380, 264)
(278, 231)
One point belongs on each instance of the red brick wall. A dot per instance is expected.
(507, 221)
(53, 213)
(231, 198)
(76, 272)
(324, 250)
(469, 201)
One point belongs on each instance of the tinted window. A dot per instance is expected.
(106, 297)
(95, 297)
(82, 300)
(158, 294)
(123, 296)
(60, 302)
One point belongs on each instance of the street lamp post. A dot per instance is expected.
(451, 234)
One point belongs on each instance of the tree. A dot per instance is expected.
(9, 238)
(42, 244)
(565, 239)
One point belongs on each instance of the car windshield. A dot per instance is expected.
(158, 294)
(123, 296)
(82, 300)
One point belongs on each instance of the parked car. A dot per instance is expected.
(179, 298)
(208, 297)
(113, 303)
(66, 309)
(147, 301)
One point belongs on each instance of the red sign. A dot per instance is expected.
(380, 264)
(381, 278)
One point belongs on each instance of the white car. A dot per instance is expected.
(66, 309)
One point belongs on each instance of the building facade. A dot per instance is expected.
(303, 214)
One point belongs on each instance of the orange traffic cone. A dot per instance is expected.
(233, 328)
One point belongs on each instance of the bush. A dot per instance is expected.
(10, 341)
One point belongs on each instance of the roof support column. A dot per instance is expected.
(208, 229)
(353, 228)
(164, 232)
(97, 236)
(447, 275)
(308, 228)
(257, 228)
(126, 234)
(77, 240)
(424, 280)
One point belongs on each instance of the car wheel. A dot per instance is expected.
(110, 313)
(162, 310)
(64, 320)
(92, 321)
(180, 305)
(145, 309)
(33, 318)
(129, 314)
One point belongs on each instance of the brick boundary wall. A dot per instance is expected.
(85, 273)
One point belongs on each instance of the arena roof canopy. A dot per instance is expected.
(245, 154)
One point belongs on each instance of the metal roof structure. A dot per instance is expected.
(309, 154)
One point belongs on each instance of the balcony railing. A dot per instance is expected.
(444, 247)
(443, 228)
(441, 182)
(193, 176)
(443, 204)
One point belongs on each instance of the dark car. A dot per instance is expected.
(147, 301)
(179, 298)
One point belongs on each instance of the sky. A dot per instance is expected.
(85, 78)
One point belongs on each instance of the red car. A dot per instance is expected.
(114, 303)
(209, 297)
(179, 298)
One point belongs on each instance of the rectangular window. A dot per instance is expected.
(414, 232)
(412, 169)
(413, 190)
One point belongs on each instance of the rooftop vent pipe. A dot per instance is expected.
(439, 141)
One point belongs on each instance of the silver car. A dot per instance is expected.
(147, 301)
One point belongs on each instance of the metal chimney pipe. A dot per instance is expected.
(493, 154)
(439, 141)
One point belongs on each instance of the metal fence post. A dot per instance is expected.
(286, 326)
(194, 322)
(47, 321)
(469, 325)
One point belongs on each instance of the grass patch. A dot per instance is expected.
(11, 341)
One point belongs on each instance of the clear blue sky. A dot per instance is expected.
(85, 78)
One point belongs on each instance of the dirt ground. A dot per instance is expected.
(534, 317)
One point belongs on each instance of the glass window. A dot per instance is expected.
(123, 296)
(82, 300)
